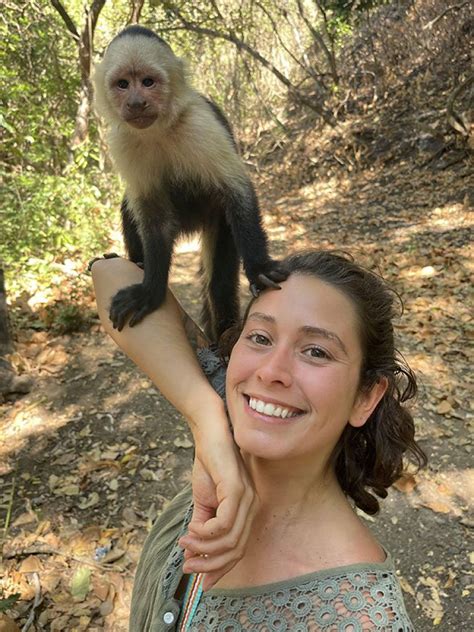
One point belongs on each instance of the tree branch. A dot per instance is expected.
(454, 119)
(230, 36)
(454, 7)
(71, 27)
(317, 37)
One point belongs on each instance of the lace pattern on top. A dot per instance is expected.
(344, 601)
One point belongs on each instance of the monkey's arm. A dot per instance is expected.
(223, 495)
(243, 214)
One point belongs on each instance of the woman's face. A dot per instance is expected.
(293, 375)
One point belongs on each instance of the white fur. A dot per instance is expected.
(188, 141)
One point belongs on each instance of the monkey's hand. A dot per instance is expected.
(133, 303)
(224, 507)
(267, 276)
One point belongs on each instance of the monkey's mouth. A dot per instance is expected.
(142, 121)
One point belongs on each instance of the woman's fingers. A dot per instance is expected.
(229, 517)
(225, 504)
(216, 561)
(215, 545)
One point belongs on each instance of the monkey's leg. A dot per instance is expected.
(243, 215)
(220, 265)
(131, 236)
(133, 303)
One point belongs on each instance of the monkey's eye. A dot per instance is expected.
(122, 84)
(148, 82)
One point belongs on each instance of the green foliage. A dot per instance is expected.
(66, 316)
(344, 9)
(9, 602)
(37, 88)
(48, 218)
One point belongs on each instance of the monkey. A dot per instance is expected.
(176, 152)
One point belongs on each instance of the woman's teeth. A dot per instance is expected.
(271, 409)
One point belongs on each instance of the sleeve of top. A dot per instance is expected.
(154, 566)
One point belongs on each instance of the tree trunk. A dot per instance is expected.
(5, 334)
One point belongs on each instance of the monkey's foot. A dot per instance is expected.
(269, 276)
(107, 255)
(133, 302)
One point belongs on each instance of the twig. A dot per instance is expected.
(454, 7)
(9, 508)
(454, 119)
(36, 603)
(49, 551)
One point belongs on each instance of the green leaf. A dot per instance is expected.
(80, 584)
(9, 602)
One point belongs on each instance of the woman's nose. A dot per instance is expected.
(276, 368)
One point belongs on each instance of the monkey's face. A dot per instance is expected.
(139, 81)
(138, 94)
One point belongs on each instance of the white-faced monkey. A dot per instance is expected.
(176, 153)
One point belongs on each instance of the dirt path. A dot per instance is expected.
(94, 451)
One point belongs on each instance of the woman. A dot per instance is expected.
(313, 392)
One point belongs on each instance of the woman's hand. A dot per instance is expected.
(224, 507)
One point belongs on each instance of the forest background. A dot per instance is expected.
(355, 119)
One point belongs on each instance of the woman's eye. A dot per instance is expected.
(148, 82)
(317, 352)
(122, 84)
(259, 339)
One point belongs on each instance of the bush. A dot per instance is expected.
(47, 219)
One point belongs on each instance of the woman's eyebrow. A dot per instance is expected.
(306, 329)
(261, 316)
(324, 333)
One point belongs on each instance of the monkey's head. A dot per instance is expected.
(140, 81)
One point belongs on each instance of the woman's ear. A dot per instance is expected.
(366, 403)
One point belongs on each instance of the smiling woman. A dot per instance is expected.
(314, 392)
(305, 362)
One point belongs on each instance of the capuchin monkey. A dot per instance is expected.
(175, 150)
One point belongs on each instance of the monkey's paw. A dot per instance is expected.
(133, 302)
(107, 255)
(268, 276)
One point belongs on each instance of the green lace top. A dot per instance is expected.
(351, 598)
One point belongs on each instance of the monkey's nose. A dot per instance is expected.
(137, 105)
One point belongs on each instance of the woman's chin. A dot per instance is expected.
(255, 443)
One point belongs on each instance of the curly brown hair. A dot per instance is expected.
(367, 459)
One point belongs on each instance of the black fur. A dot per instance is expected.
(136, 30)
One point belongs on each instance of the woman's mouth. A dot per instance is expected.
(270, 409)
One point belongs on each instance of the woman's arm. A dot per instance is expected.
(223, 495)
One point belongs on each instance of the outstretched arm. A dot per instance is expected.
(161, 346)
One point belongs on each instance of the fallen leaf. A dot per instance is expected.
(92, 500)
(26, 517)
(80, 583)
(406, 586)
(183, 442)
(436, 506)
(106, 608)
(67, 490)
(113, 555)
(7, 624)
(31, 565)
(444, 407)
(405, 483)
